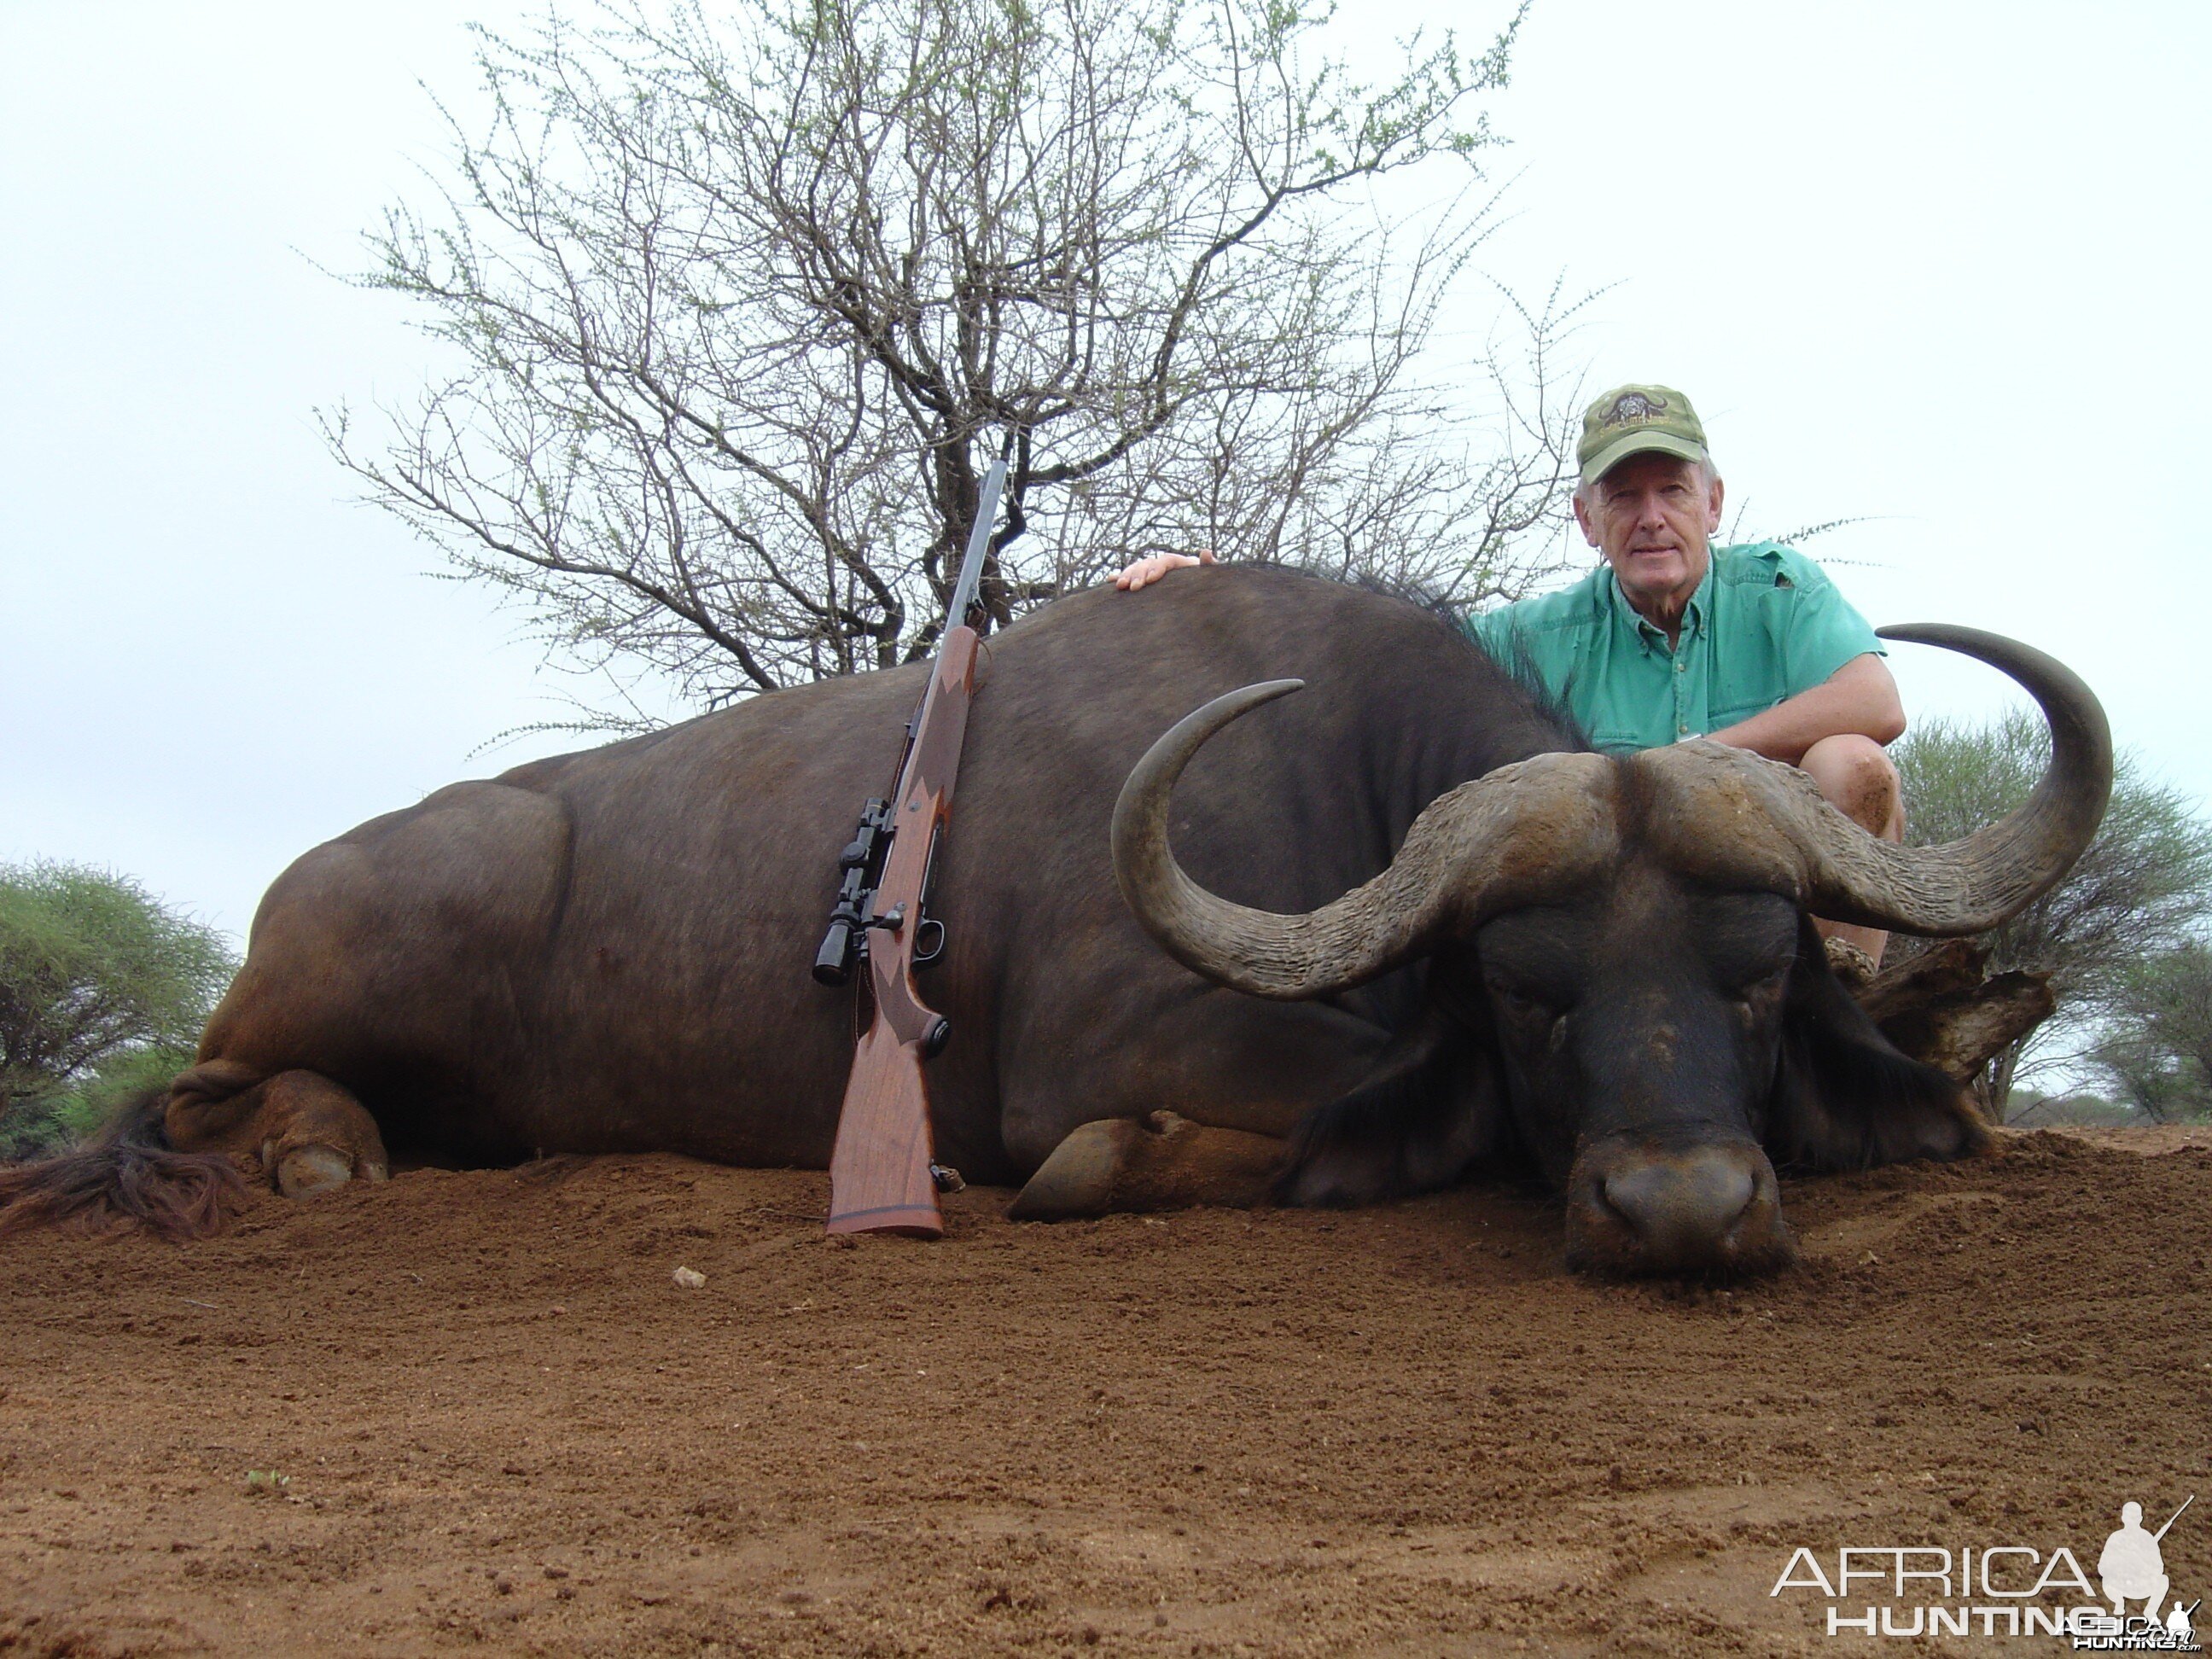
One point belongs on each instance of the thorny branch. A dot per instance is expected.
(739, 319)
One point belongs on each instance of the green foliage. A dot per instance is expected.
(2156, 1048)
(102, 989)
(2033, 1109)
(2142, 889)
(61, 1118)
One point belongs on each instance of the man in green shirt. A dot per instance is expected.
(1675, 638)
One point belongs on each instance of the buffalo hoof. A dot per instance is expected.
(1161, 1161)
(306, 1171)
(1078, 1179)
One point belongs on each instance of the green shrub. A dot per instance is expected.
(103, 991)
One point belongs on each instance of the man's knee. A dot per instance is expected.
(1858, 779)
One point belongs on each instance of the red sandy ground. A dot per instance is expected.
(486, 1417)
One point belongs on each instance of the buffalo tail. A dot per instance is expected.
(126, 1174)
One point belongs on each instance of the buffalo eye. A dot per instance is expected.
(1752, 994)
(1521, 1005)
(1527, 1012)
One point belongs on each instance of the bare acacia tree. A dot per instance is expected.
(740, 315)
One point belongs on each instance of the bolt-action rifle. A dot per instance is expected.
(883, 1175)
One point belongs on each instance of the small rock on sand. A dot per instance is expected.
(689, 1279)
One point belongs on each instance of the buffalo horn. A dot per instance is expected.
(1960, 887)
(1471, 846)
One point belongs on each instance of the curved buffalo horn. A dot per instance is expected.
(1965, 886)
(1969, 886)
(1468, 848)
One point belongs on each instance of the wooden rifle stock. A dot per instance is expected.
(882, 1174)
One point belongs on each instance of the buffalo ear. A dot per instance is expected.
(1429, 1110)
(1844, 1098)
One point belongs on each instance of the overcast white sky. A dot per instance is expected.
(1940, 264)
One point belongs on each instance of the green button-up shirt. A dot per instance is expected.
(1764, 625)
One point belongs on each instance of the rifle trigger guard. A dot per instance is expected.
(928, 941)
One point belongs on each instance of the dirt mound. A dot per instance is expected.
(2151, 1140)
(477, 1410)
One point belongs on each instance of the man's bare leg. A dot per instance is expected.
(1856, 778)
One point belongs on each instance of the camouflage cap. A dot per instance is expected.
(1638, 419)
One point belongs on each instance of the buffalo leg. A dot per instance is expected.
(310, 1133)
(1161, 1161)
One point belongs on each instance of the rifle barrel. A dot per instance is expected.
(979, 541)
(2175, 1516)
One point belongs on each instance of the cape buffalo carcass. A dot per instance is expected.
(1480, 943)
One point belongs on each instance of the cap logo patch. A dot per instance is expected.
(1633, 408)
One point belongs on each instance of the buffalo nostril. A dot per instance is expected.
(1681, 1207)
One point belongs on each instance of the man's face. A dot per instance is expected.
(1652, 517)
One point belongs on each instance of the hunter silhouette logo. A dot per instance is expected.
(2133, 1569)
(1633, 409)
(2008, 1588)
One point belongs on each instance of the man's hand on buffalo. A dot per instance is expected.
(1153, 566)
